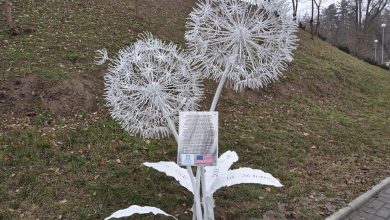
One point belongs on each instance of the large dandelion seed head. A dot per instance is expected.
(149, 82)
(249, 40)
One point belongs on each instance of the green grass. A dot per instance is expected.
(67, 34)
(54, 74)
(323, 130)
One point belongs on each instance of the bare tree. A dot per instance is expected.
(9, 19)
(373, 9)
(318, 6)
(312, 20)
(358, 13)
(355, 25)
(365, 12)
(343, 7)
(330, 21)
(136, 2)
(295, 8)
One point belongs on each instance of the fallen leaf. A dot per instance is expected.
(63, 201)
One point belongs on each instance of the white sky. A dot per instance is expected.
(304, 6)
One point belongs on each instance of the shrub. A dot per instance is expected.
(322, 37)
(344, 48)
(370, 61)
(301, 26)
(383, 66)
(375, 63)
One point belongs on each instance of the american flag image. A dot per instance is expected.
(205, 159)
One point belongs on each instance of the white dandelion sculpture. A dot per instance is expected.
(148, 84)
(247, 42)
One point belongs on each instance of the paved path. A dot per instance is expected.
(377, 208)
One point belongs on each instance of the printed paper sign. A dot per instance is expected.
(198, 139)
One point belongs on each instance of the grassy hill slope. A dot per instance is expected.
(323, 129)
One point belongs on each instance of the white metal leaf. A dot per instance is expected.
(173, 170)
(243, 175)
(135, 209)
(225, 161)
(218, 176)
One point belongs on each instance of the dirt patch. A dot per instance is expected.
(19, 93)
(81, 92)
(29, 94)
(34, 93)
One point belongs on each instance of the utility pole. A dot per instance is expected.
(383, 40)
(375, 45)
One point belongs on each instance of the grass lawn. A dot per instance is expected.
(323, 129)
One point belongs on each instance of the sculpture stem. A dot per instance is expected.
(209, 212)
(204, 199)
(198, 187)
(171, 125)
(198, 207)
(210, 202)
(219, 89)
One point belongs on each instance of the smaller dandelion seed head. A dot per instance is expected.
(148, 83)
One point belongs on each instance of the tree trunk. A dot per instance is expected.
(136, 2)
(317, 31)
(358, 14)
(295, 9)
(312, 20)
(9, 20)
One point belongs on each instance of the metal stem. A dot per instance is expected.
(209, 213)
(219, 89)
(205, 201)
(198, 207)
(210, 202)
(171, 125)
